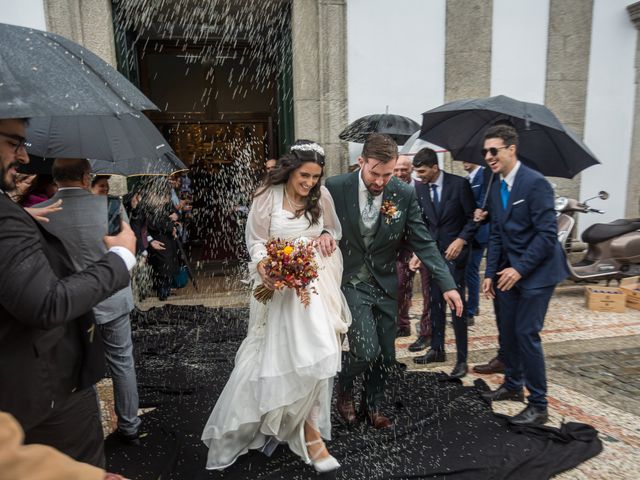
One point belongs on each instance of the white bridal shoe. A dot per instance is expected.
(322, 465)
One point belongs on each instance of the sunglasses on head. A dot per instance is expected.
(493, 150)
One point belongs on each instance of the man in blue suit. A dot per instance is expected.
(524, 264)
(477, 181)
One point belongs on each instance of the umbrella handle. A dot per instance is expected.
(486, 195)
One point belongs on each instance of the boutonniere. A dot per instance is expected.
(390, 211)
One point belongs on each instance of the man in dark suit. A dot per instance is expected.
(81, 226)
(524, 264)
(377, 211)
(447, 208)
(50, 354)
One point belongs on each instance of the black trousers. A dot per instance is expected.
(73, 426)
(438, 310)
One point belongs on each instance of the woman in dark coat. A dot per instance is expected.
(155, 211)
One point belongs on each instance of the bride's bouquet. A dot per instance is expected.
(291, 265)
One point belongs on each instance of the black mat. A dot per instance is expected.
(442, 429)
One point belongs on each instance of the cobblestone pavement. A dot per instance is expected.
(612, 376)
(593, 371)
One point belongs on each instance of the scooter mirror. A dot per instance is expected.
(602, 195)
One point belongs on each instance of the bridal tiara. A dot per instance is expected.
(308, 147)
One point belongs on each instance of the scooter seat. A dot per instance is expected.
(599, 232)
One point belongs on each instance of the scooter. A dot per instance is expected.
(613, 249)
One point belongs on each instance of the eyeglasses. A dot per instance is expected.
(22, 142)
(493, 151)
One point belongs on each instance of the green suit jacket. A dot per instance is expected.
(381, 255)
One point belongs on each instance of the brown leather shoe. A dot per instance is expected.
(378, 421)
(494, 366)
(346, 407)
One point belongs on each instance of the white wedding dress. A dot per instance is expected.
(284, 369)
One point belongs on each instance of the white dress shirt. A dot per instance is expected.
(439, 182)
(511, 176)
(473, 173)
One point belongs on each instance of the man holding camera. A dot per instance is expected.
(81, 225)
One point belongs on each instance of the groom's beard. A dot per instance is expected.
(375, 193)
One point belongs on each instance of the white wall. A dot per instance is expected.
(26, 13)
(609, 109)
(519, 49)
(395, 58)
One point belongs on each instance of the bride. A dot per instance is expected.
(280, 389)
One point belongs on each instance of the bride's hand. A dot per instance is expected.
(267, 281)
(326, 244)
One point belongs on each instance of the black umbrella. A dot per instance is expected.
(167, 164)
(545, 143)
(44, 74)
(128, 144)
(396, 126)
(414, 144)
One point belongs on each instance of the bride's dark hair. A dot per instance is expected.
(302, 151)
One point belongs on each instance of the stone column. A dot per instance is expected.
(318, 31)
(87, 22)
(633, 176)
(567, 71)
(467, 67)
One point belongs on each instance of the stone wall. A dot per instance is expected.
(633, 178)
(320, 76)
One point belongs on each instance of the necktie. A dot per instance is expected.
(436, 198)
(504, 194)
(369, 213)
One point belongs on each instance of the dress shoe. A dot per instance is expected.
(430, 357)
(419, 344)
(377, 420)
(494, 366)
(503, 393)
(403, 332)
(346, 407)
(531, 415)
(128, 438)
(460, 370)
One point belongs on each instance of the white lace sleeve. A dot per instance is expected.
(257, 228)
(331, 222)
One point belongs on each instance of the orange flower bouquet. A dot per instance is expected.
(291, 265)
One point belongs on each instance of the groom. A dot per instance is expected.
(377, 211)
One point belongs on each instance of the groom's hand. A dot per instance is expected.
(326, 244)
(452, 297)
